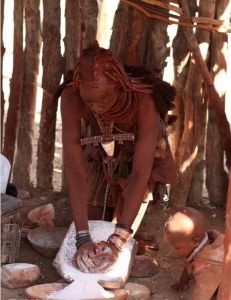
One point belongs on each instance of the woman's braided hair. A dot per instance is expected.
(131, 79)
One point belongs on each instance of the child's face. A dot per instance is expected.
(183, 248)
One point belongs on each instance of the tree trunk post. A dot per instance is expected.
(207, 10)
(182, 137)
(2, 54)
(23, 161)
(52, 72)
(129, 35)
(90, 23)
(72, 34)
(82, 23)
(181, 59)
(214, 151)
(16, 84)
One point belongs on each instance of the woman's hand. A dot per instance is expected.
(95, 258)
(83, 257)
(106, 256)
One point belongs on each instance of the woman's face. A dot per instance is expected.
(98, 93)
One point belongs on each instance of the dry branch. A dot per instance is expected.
(164, 5)
(162, 13)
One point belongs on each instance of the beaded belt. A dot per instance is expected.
(98, 139)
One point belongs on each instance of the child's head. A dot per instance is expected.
(184, 230)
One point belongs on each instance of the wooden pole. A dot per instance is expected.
(23, 161)
(72, 49)
(2, 54)
(215, 171)
(71, 39)
(192, 139)
(16, 84)
(52, 72)
(129, 35)
(86, 28)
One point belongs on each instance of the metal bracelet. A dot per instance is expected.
(80, 232)
(123, 226)
(80, 240)
(117, 240)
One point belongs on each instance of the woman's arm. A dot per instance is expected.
(73, 158)
(136, 183)
(133, 189)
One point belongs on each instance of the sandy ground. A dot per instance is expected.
(170, 266)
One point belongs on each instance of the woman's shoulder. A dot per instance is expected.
(72, 99)
(69, 93)
(146, 101)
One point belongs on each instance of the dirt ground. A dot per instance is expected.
(170, 266)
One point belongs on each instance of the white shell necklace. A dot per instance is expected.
(198, 248)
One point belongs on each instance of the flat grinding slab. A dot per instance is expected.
(88, 283)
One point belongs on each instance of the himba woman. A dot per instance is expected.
(112, 129)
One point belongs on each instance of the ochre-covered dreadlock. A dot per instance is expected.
(111, 66)
(131, 80)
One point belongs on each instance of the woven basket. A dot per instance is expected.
(41, 291)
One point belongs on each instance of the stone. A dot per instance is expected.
(43, 216)
(19, 275)
(47, 242)
(146, 241)
(23, 195)
(120, 294)
(114, 283)
(42, 291)
(137, 291)
(143, 266)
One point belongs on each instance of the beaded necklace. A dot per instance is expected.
(198, 248)
(124, 109)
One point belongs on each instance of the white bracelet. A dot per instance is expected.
(82, 232)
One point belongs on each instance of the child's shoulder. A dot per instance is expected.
(213, 251)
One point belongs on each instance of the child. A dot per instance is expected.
(202, 251)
